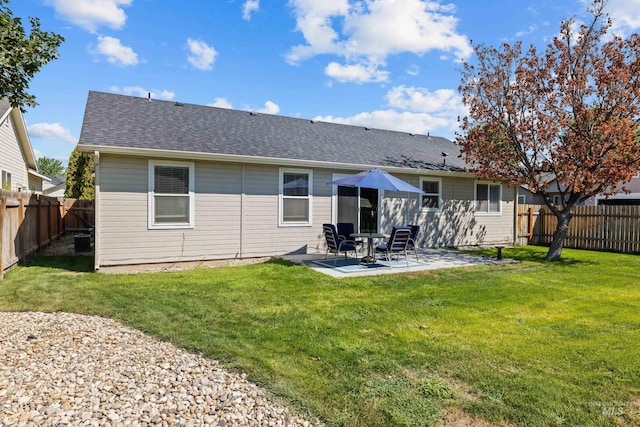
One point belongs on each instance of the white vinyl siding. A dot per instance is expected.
(171, 195)
(12, 158)
(432, 199)
(296, 189)
(487, 197)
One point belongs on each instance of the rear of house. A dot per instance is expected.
(179, 182)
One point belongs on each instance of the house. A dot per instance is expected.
(17, 161)
(628, 198)
(55, 187)
(181, 182)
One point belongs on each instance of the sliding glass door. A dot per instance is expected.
(358, 206)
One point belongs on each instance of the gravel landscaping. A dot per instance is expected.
(69, 369)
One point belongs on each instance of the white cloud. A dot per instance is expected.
(441, 101)
(220, 103)
(393, 120)
(270, 108)
(368, 32)
(357, 73)
(202, 56)
(142, 92)
(414, 110)
(37, 153)
(625, 15)
(52, 132)
(248, 8)
(413, 70)
(115, 52)
(530, 30)
(91, 14)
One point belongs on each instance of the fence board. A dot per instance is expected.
(608, 228)
(29, 222)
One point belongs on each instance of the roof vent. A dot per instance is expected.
(366, 128)
(312, 121)
(179, 104)
(149, 96)
(412, 134)
(251, 113)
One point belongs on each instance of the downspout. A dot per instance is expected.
(96, 211)
(515, 215)
(242, 201)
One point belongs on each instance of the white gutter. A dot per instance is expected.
(193, 155)
(96, 211)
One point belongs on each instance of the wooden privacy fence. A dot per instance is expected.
(29, 222)
(606, 228)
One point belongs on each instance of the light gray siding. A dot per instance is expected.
(11, 156)
(232, 220)
(237, 215)
(456, 223)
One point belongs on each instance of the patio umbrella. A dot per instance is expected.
(376, 178)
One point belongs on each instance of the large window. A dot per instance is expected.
(295, 196)
(430, 201)
(488, 197)
(171, 194)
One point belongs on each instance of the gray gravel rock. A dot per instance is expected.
(69, 369)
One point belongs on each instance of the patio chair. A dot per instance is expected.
(412, 245)
(397, 244)
(345, 230)
(335, 244)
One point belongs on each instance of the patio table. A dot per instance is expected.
(369, 259)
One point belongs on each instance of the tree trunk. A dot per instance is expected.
(555, 250)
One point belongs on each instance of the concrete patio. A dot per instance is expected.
(428, 259)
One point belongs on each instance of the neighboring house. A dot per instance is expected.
(622, 197)
(55, 187)
(182, 182)
(17, 162)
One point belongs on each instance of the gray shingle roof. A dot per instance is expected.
(124, 121)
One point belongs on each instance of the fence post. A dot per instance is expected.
(49, 225)
(530, 239)
(3, 206)
(21, 230)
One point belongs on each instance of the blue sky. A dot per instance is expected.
(390, 64)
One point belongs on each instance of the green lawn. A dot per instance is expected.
(531, 343)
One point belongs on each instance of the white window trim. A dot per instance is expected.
(475, 199)
(281, 198)
(439, 180)
(151, 199)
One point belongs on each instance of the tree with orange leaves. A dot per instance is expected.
(571, 113)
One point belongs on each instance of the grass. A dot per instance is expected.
(531, 343)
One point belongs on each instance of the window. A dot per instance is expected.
(431, 200)
(295, 196)
(488, 197)
(171, 196)
(522, 199)
(6, 180)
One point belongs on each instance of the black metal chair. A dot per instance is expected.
(335, 244)
(412, 245)
(345, 230)
(397, 244)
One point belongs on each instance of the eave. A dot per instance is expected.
(234, 158)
